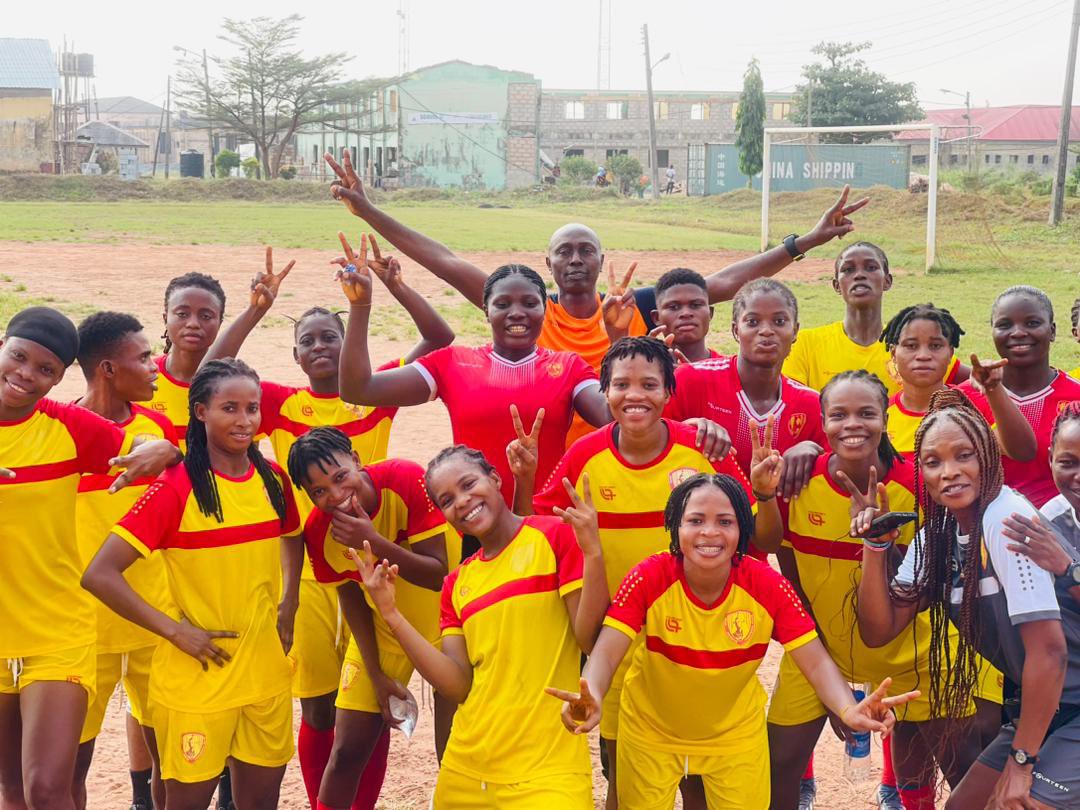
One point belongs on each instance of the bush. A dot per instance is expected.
(225, 162)
(577, 171)
(107, 161)
(287, 172)
(251, 168)
(626, 170)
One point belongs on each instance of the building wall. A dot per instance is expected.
(26, 136)
(1036, 156)
(522, 143)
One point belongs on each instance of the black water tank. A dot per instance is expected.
(191, 163)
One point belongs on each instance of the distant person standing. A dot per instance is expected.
(670, 174)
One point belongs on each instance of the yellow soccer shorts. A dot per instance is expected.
(991, 682)
(356, 692)
(76, 665)
(195, 747)
(567, 791)
(319, 639)
(609, 709)
(647, 779)
(794, 700)
(133, 669)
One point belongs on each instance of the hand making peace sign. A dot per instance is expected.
(581, 713)
(835, 222)
(378, 578)
(348, 188)
(523, 452)
(766, 463)
(266, 283)
(986, 377)
(618, 306)
(581, 516)
(354, 277)
(865, 506)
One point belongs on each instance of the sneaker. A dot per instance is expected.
(138, 806)
(888, 798)
(807, 793)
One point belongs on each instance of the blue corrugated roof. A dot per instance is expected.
(27, 63)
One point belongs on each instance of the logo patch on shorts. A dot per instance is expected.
(191, 745)
(738, 625)
(676, 477)
(348, 675)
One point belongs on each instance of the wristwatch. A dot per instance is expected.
(1072, 573)
(789, 246)
(1022, 757)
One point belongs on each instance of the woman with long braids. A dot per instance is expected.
(224, 521)
(708, 612)
(1023, 328)
(961, 571)
(826, 568)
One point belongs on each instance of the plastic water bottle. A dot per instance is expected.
(857, 749)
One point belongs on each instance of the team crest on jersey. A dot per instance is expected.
(795, 424)
(607, 493)
(348, 675)
(555, 369)
(673, 624)
(307, 410)
(192, 745)
(1063, 405)
(676, 477)
(738, 625)
(158, 406)
(815, 518)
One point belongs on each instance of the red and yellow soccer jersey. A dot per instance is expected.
(818, 525)
(478, 387)
(712, 389)
(904, 423)
(511, 612)
(693, 649)
(222, 576)
(630, 499)
(404, 515)
(45, 608)
(171, 400)
(97, 512)
(1033, 479)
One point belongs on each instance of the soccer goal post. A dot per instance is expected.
(776, 136)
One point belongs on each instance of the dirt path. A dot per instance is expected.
(132, 278)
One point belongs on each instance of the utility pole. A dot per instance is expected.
(168, 125)
(652, 115)
(209, 124)
(1057, 202)
(970, 130)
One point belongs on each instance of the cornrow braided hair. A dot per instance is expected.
(888, 454)
(456, 451)
(318, 446)
(334, 315)
(950, 329)
(197, 460)
(1070, 413)
(653, 350)
(1030, 292)
(202, 282)
(676, 507)
(508, 270)
(951, 694)
(763, 285)
(882, 258)
(1074, 314)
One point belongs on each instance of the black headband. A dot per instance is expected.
(48, 328)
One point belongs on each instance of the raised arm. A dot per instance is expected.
(1014, 432)
(392, 388)
(588, 606)
(463, 276)
(264, 290)
(834, 223)
(766, 467)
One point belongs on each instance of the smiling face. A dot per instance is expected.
(765, 328)
(28, 372)
(193, 318)
(683, 309)
(338, 485)
(469, 497)
(131, 368)
(636, 395)
(515, 311)
(574, 259)
(232, 415)
(854, 419)
(950, 467)
(861, 279)
(922, 354)
(1022, 330)
(318, 346)
(709, 530)
(1065, 462)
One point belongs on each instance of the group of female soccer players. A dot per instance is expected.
(590, 552)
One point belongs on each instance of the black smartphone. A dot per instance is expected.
(883, 524)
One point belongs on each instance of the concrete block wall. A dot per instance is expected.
(521, 141)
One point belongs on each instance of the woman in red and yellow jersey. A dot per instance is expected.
(384, 504)
(826, 563)
(516, 617)
(707, 611)
(49, 626)
(223, 521)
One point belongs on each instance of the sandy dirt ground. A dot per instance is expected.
(132, 278)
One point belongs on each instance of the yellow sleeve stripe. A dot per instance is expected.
(570, 587)
(453, 631)
(419, 537)
(805, 638)
(615, 624)
(131, 540)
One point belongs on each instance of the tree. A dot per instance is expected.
(845, 92)
(266, 90)
(626, 169)
(577, 170)
(225, 162)
(750, 122)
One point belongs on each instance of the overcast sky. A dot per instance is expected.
(1003, 51)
